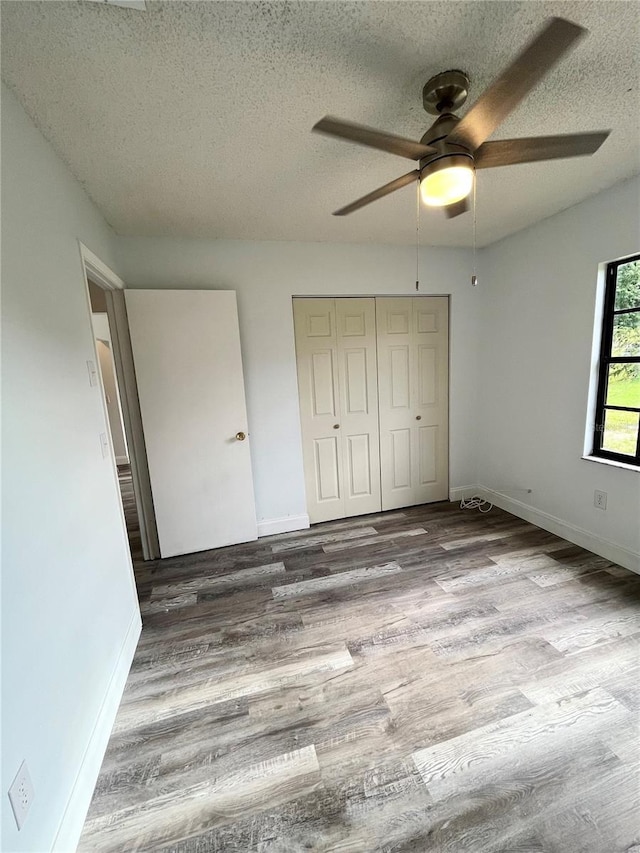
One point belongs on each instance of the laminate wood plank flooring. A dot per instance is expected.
(308, 587)
(128, 499)
(428, 680)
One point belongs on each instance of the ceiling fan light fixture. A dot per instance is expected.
(446, 181)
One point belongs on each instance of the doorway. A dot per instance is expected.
(123, 440)
(113, 403)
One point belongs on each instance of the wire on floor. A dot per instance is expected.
(476, 502)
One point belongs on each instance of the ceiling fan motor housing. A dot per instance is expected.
(445, 161)
(446, 153)
(441, 127)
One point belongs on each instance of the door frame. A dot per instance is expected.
(113, 287)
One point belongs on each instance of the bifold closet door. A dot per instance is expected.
(413, 398)
(337, 381)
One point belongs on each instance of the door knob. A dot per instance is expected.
(336, 426)
(240, 436)
(418, 417)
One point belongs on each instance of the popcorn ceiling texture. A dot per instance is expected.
(194, 118)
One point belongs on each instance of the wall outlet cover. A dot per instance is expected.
(600, 499)
(21, 794)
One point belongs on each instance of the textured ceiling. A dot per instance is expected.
(194, 118)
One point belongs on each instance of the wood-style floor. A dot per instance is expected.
(421, 680)
(130, 515)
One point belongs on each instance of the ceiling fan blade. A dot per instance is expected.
(508, 152)
(373, 138)
(140, 5)
(457, 208)
(392, 186)
(515, 82)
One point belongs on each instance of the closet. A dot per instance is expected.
(373, 387)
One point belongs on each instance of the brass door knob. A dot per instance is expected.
(418, 417)
(336, 426)
(240, 436)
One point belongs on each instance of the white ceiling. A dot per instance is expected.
(194, 118)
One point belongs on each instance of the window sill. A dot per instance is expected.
(613, 462)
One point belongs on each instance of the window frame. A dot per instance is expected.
(605, 360)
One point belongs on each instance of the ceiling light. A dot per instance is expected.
(446, 180)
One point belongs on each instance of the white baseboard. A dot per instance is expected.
(77, 807)
(459, 492)
(609, 550)
(270, 526)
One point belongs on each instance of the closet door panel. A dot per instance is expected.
(428, 385)
(355, 382)
(323, 390)
(400, 459)
(400, 377)
(358, 384)
(327, 469)
(413, 394)
(395, 382)
(430, 401)
(359, 465)
(317, 361)
(427, 455)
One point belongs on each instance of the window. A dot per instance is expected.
(617, 427)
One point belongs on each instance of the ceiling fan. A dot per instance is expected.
(453, 148)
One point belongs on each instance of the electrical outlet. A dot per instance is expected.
(600, 499)
(21, 794)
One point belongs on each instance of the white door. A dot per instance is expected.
(186, 351)
(337, 380)
(413, 398)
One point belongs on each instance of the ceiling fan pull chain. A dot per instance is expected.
(417, 235)
(474, 277)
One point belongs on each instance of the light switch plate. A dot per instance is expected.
(93, 373)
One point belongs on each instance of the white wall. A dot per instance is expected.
(69, 610)
(538, 312)
(266, 276)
